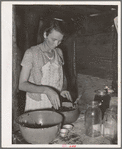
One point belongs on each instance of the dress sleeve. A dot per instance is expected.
(27, 59)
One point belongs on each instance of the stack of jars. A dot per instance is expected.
(100, 121)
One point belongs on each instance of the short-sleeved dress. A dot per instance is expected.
(44, 71)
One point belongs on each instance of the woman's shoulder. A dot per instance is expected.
(60, 55)
(34, 50)
(59, 51)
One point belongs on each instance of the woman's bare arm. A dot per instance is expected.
(26, 86)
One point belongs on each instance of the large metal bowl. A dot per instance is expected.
(70, 116)
(40, 127)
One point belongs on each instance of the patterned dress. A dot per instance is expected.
(44, 71)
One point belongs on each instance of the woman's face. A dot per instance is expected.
(53, 39)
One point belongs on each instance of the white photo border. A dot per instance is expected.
(6, 55)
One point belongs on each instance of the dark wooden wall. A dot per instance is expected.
(94, 54)
(16, 59)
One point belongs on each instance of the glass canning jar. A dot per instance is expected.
(93, 120)
(110, 124)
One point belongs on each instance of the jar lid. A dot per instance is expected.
(100, 92)
(94, 103)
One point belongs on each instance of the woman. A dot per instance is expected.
(42, 73)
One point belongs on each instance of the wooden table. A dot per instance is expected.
(74, 137)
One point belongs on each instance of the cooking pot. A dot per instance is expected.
(71, 115)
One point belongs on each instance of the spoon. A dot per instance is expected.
(76, 101)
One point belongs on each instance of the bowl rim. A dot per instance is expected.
(42, 110)
(75, 109)
(65, 126)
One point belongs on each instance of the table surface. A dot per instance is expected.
(75, 136)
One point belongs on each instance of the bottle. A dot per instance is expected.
(110, 124)
(103, 98)
(93, 120)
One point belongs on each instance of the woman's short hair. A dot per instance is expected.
(56, 24)
(47, 25)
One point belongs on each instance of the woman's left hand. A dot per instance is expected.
(66, 94)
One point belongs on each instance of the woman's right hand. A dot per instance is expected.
(53, 97)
